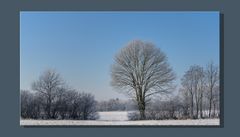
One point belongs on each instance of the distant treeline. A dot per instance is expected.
(116, 105)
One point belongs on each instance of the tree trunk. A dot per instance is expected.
(141, 102)
(201, 105)
(210, 104)
(192, 107)
(197, 111)
(48, 109)
(141, 107)
(214, 109)
(142, 114)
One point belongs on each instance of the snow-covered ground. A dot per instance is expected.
(113, 116)
(96, 122)
(117, 118)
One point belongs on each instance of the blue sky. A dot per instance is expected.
(81, 45)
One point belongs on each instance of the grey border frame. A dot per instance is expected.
(9, 58)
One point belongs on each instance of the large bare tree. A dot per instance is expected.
(141, 70)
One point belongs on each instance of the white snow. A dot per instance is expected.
(113, 116)
(117, 118)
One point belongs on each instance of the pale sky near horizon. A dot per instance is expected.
(81, 45)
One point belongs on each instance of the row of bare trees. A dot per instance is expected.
(52, 99)
(200, 90)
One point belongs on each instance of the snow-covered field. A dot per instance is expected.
(113, 116)
(117, 118)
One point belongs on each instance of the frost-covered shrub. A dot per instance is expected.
(159, 110)
(30, 105)
(133, 115)
(67, 104)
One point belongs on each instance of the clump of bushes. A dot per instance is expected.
(65, 105)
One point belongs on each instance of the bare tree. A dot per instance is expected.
(187, 83)
(47, 85)
(216, 101)
(198, 84)
(212, 78)
(193, 82)
(184, 95)
(140, 71)
(201, 89)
